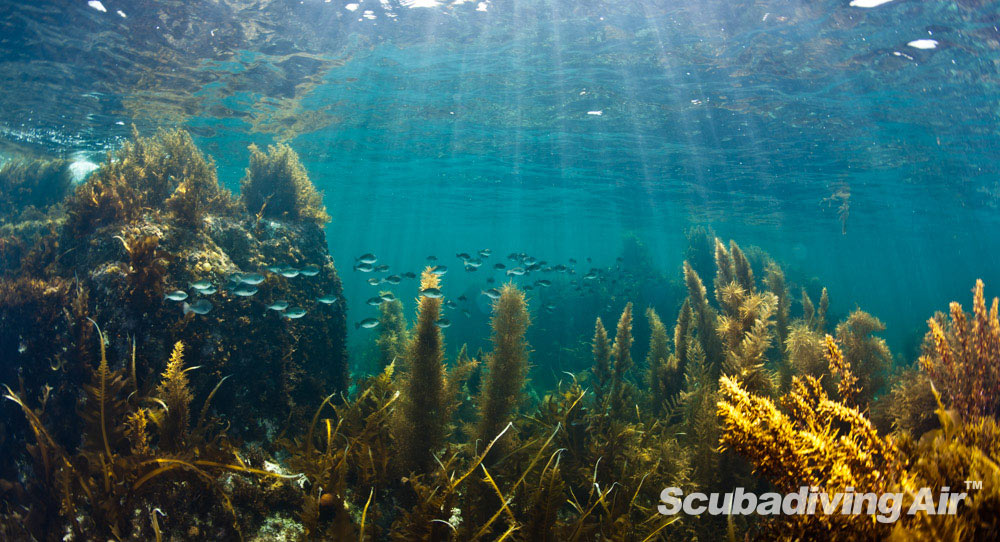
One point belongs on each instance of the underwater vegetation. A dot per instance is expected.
(277, 186)
(27, 185)
(217, 402)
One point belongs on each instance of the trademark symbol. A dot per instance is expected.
(973, 484)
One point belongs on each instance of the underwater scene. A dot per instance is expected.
(499, 270)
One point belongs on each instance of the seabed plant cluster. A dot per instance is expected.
(127, 419)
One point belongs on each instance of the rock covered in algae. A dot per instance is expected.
(154, 220)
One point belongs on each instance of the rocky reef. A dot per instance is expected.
(151, 221)
(175, 368)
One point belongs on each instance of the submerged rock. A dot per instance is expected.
(135, 233)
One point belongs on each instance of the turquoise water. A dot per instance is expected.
(446, 129)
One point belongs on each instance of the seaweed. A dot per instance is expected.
(816, 441)
(506, 365)
(96, 488)
(32, 183)
(622, 390)
(147, 174)
(601, 348)
(962, 356)
(276, 185)
(392, 334)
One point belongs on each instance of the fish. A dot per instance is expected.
(517, 272)
(200, 285)
(208, 291)
(471, 268)
(278, 306)
(295, 312)
(381, 268)
(245, 290)
(490, 280)
(252, 279)
(393, 279)
(387, 297)
(590, 276)
(410, 275)
(364, 267)
(433, 293)
(274, 268)
(450, 304)
(572, 261)
(550, 307)
(463, 256)
(485, 253)
(202, 306)
(474, 263)
(462, 297)
(375, 281)
(367, 323)
(432, 258)
(289, 272)
(328, 299)
(466, 313)
(492, 293)
(543, 282)
(177, 295)
(310, 270)
(499, 266)
(443, 323)
(368, 258)
(439, 270)
(375, 301)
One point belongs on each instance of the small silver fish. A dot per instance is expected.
(499, 266)
(245, 290)
(517, 271)
(387, 296)
(492, 293)
(208, 291)
(278, 306)
(367, 323)
(364, 267)
(310, 271)
(432, 293)
(202, 306)
(367, 258)
(439, 270)
(289, 272)
(297, 312)
(201, 285)
(253, 279)
(393, 279)
(543, 282)
(443, 323)
(375, 301)
(177, 295)
(274, 268)
(328, 299)
(375, 281)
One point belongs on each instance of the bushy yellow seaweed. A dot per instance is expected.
(962, 356)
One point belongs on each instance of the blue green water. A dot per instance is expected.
(446, 129)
